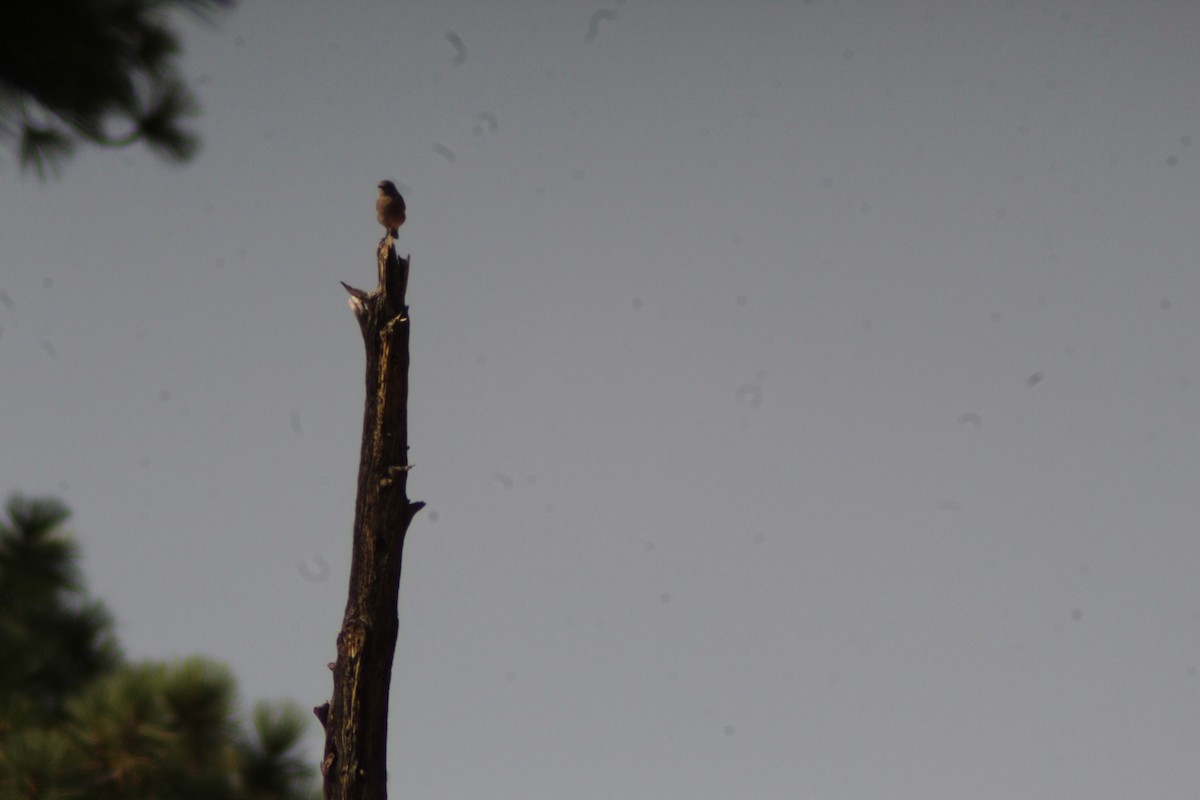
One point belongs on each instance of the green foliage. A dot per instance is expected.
(53, 638)
(94, 71)
(77, 721)
(270, 766)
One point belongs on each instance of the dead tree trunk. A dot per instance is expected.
(354, 766)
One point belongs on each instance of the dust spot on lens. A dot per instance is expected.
(318, 575)
(594, 23)
(750, 394)
(460, 48)
(492, 121)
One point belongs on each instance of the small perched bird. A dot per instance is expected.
(389, 207)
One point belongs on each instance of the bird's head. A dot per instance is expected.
(387, 187)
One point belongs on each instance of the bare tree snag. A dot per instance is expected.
(354, 766)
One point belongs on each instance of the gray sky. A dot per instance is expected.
(804, 393)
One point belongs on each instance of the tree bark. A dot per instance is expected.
(354, 766)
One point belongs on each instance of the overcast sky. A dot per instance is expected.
(804, 393)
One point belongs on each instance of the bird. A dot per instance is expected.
(389, 208)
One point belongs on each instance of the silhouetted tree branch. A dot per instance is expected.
(95, 71)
